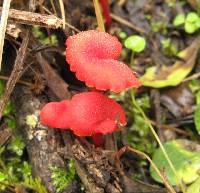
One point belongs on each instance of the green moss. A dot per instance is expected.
(62, 178)
(14, 170)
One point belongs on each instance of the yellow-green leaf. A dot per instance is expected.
(173, 75)
(195, 187)
(185, 161)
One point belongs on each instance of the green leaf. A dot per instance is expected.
(135, 43)
(173, 75)
(194, 85)
(190, 28)
(197, 23)
(185, 162)
(179, 20)
(197, 118)
(195, 187)
(122, 35)
(192, 17)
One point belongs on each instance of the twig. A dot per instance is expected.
(169, 127)
(19, 81)
(16, 72)
(127, 23)
(4, 18)
(67, 24)
(30, 18)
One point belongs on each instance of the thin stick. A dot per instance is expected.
(30, 18)
(53, 7)
(168, 127)
(62, 9)
(98, 15)
(29, 84)
(194, 76)
(4, 18)
(16, 72)
(67, 24)
(127, 23)
(158, 140)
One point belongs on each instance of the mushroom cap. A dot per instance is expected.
(92, 55)
(55, 114)
(85, 114)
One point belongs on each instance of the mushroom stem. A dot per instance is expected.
(98, 140)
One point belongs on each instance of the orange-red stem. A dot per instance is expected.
(98, 140)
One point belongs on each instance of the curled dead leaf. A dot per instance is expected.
(173, 75)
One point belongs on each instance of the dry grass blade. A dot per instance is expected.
(127, 23)
(98, 15)
(4, 18)
(62, 9)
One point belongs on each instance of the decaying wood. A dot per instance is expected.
(16, 72)
(13, 30)
(98, 174)
(87, 180)
(41, 142)
(30, 18)
(93, 167)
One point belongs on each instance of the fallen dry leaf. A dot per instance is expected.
(173, 75)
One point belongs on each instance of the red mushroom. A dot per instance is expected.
(86, 114)
(55, 114)
(106, 12)
(92, 55)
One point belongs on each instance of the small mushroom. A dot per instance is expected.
(86, 114)
(55, 114)
(92, 55)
